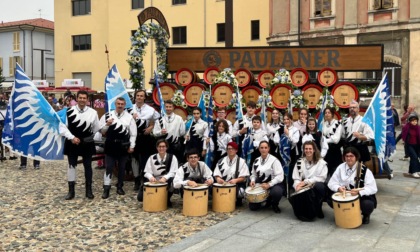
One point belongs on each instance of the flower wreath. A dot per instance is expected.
(265, 97)
(282, 76)
(297, 100)
(138, 44)
(330, 102)
(178, 99)
(226, 76)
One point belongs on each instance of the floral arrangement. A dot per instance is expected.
(135, 55)
(297, 99)
(234, 101)
(282, 76)
(265, 97)
(366, 89)
(330, 101)
(226, 76)
(178, 99)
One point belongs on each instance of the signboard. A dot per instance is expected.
(72, 83)
(339, 58)
(153, 13)
(41, 83)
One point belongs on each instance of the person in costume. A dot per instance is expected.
(198, 133)
(332, 131)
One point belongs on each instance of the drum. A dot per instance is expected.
(256, 194)
(347, 212)
(195, 201)
(304, 204)
(224, 198)
(155, 197)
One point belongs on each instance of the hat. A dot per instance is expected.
(233, 145)
(413, 116)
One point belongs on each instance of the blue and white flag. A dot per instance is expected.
(202, 105)
(114, 88)
(31, 124)
(378, 117)
(284, 149)
(162, 103)
(247, 148)
(263, 113)
(321, 112)
(209, 119)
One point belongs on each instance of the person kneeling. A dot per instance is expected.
(353, 176)
(160, 168)
(268, 172)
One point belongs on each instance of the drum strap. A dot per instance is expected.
(360, 175)
(168, 162)
(237, 168)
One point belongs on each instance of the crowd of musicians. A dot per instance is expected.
(161, 149)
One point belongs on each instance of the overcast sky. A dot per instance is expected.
(15, 10)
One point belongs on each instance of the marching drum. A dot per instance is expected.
(347, 212)
(304, 204)
(155, 197)
(256, 194)
(224, 197)
(195, 201)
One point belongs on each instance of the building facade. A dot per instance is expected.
(87, 29)
(393, 23)
(29, 43)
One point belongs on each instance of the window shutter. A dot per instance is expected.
(11, 66)
(326, 8)
(377, 4)
(1, 63)
(386, 4)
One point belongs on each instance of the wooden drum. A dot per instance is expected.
(155, 197)
(224, 198)
(347, 211)
(195, 201)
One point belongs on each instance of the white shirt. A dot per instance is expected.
(323, 143)
(145, 113)
(155, 167)
(351, 125)
(204, 172)
(124, 121)
(226, 168)
(300, 126)
(332, 131)
(247, 122)
(272, 129)
(341, 178)
(222, 141)
(258, 136)
(201, 129)
(293, 136)
(310, 173)
(173, 124)
(86, 116)
(269, 169)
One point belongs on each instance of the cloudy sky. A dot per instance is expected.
(14, 10)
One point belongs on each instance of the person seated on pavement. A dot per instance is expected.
(160, 168)
(193, 172)
(267, 173)
(353, 176)
(233, 170)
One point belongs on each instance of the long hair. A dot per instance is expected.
(311, 119)
(317, 154)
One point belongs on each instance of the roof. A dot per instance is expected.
(38, 22)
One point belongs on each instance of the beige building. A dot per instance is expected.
(394, 23)
(85, 28)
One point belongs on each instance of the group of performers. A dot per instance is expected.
(287, 156)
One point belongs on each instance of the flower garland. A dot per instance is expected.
(226, 76)
(330, 101)
(138, 44)
(265, 97)
(282, 76)
(297, 100)
(178, 99)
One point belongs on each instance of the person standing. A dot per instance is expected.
(82, 123)
(172, 128)
(332, 131)
(411, 137)
(145, 117)
(221, 115)
(301, 126)
(121, 132)
(195, 138)
(240, 129)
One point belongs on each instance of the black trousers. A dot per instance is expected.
(87, 164)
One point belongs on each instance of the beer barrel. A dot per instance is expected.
(280, 95)
(167, 90)
(181, 112)
(311, 94)
(209, 74)
(337, 115)
(222, 94)
(344, 93)
(231, 115)
(185, 76)
(251, 93)
(192, 94)
(265, 77)
(299, 77)
(327, 77)
(244, 77)
(295, 114)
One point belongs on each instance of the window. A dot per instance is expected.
(394, 77)
(382, 4)
(179, 2)
(323, 8)
(221, 32)
(80, 7)
(255, 29)
(82, 42)
(16, 41)
(12, 64)
(179, 35)
(137, 4)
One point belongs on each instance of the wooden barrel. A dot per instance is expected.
(209, 74)
(295, 114)
(311, 94)
(251, 93)
(185, 76)
(280, 95)
(231, 115)
(373, 164)
(192, 94)
(167, 90)
(265, 77)
(344, 93)
(244, 77)
(181, 112)
(337, 115)
(222, 94)
(299, 77)
(327, 77)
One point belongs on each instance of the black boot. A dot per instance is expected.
(105, 194)
(169, 199)
(71, 193)
(366, 219)
(120, 191)
(136, 183)
(89, 193)
(140, 195)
